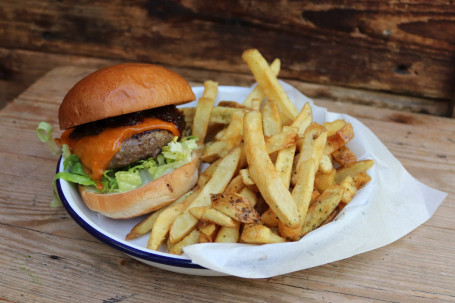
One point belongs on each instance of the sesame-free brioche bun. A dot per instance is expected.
(122, 89)
(145, 199)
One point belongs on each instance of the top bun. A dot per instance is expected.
(122, 89)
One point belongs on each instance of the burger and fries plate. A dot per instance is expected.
(113, 232)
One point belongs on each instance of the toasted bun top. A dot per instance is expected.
(122, 89)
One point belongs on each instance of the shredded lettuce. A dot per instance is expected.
(128, 180)
(44, 133)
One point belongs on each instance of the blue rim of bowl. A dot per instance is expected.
(148, 256)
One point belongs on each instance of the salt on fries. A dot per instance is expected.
(274, 174)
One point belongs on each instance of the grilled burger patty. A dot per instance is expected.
(141, 146)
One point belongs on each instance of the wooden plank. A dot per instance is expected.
(20, 68)
(25, 67)
(404, 48)
(46, 257)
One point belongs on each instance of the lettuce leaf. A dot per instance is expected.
(44, 133)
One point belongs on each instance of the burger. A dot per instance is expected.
(124, 139)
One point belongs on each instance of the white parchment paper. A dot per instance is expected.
(387, 208)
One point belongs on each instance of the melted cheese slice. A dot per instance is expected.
(95, 152)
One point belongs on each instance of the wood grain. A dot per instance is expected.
(46, 257)
(25, 67)
(404, 47)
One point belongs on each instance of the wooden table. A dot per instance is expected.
(47, 257)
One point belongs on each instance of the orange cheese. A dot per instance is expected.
(95, 152)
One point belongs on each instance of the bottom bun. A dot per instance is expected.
(145, 199)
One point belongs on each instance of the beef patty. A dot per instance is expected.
(141, 146)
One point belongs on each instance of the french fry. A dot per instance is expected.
(211, 215)
(271, 118)
(221, 177)
(311, 149)
(219, 114)
(162, 225)
(256, 104)
(249, 195)
(208, 229)
(210, 89)
(146, 225)
(322, 208)
(259, 234)
(177, 248)
(292, 234)
(269, 84)
(353, 169)
(334, 213)
(232, 137)
(202, 118)
(360, 179)
(344, 156)
(235, 185)
(203, 238)
(246, 177)
(340, 138)
(323, 181)
(269, 218)
(236, 207)
(143, 226)
(257, 92)
(334, 126)
(205, 176)
(304, 119)
(314, 196)
(325, 165)
(349, 189)
(219, 135)
(228, 234)
(234, 105)
(283, 164)
(281, 140)
(264, 173)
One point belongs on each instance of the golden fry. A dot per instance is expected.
(202, 118)
(163, 224)
(269, 84)
(259, 234)
(249, 195)
(269, 218)
(257, 92)
(340, 138)
(334, 126)
(210, 89)
(177, 248)
(236, 207)
(211, 215)
(271, 118)
(281, 140)
(231, 138)
(353, 169)
(221, 177)
(344, 156)
(311, 149)
(228, 234)
(322, 208)
(264, 174)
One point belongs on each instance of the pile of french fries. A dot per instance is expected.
(274, 174)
